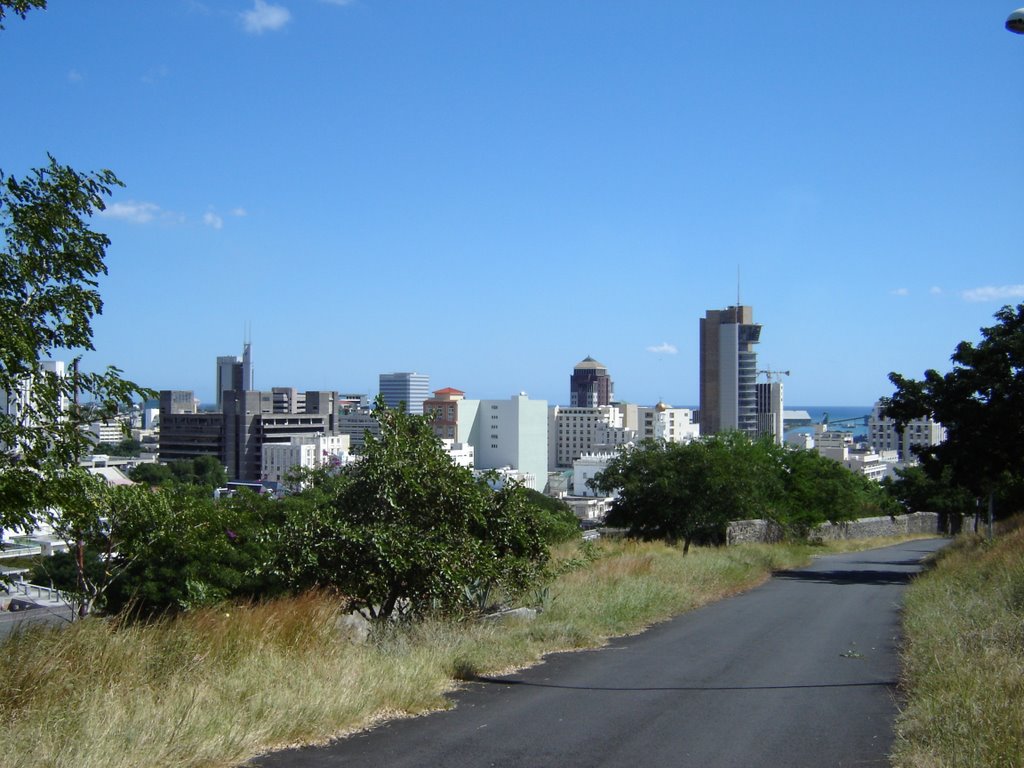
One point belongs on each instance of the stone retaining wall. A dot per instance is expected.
(765, 531)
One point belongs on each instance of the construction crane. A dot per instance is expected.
(862, 420)
(773, 375)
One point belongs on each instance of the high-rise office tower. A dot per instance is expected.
(590, 386)
(234, 373)
(728, 370)
(770, 415)
(229, 376)
(409, 388)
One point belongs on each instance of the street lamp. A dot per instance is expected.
(1015, 21)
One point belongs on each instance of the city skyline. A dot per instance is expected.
(488, 193)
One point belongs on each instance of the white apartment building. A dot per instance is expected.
(839, 446)
(832, 443)
(15, 403)
(304, 452)
(502, 476)
(802, 440)
(867, 463)
(883, 436)
(462, 454)
(589, 507)
(585, 469)
(667, 424)
(573, 432)
(107, 431)
(509, 433)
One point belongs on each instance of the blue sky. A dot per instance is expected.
(488, 191)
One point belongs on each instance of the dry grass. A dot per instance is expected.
(964, 659)
(216, 687)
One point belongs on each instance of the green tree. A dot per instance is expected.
(178, 549)
(49, 267)
(690, 492)
(405, 530)
(151, 474)
(557, 520)
(817, 490)
(18, 7)
(126, 447)
(917, 491)
(979, 402)
(204, 471)
(208, 472)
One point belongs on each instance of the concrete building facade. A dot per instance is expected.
(728, 370)
(234, 373)
(443, 408)
(509, 433)
(238, 434)
(883, 435)
(573, 432)
(770, 414)
(280, 460)
(667, 424)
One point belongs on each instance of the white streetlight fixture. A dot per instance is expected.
(1015, 21)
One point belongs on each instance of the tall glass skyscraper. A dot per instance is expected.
(408, 388)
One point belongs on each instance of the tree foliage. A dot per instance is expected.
(979, 402)
(161, 550)
(690, 492)
(405, 530)
(127, 447)
(557, 520)
(49, 267)
(182, 549)
(816, 490)
(18, 8)
(204, 471)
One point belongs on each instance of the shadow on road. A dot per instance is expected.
(627, 689)
(875, 578)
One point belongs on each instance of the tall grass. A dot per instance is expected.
(964, 659)
(215, 687)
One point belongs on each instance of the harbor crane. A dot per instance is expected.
(773, 375)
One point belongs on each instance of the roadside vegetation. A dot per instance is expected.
(963, 663)
(217, 685)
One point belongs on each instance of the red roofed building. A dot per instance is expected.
(444, 407)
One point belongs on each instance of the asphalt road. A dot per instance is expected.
(11, 621)
(799, 672)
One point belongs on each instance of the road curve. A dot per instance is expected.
(801, 671)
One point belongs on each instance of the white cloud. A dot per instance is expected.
(994, 293)
(239, 212)
(935, 290)
(74, 76)
(664, 349)
(211, 219)
(264, 17)
(900, 292)
(138, 213)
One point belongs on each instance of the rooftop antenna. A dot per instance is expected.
(738, 285)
